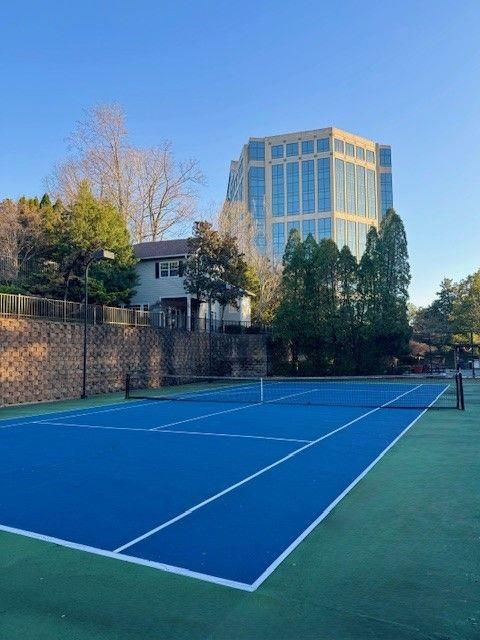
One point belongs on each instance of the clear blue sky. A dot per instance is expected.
(207, 75)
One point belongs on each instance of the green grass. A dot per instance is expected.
(398, 558)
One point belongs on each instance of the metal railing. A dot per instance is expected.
(36, 308)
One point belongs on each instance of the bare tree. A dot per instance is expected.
(235, 220)
(153, 192)
(20, 235)
(166, 191)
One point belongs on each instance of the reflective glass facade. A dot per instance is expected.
(361, 193)
(385, 157)
(323, 144)
(256, 150)
(308, 228)
(308, 186)
(352, 237)
(341, 232)
(350, 187)
(293, 204)
(386, 192)
(307, 146)
(339, 185)
(278, 190)
(291, 180)
(278, 240)
(292, 149)
(277, 151)
(324, 228)
(323, 178)
(371, 194)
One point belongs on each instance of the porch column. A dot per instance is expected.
(189, 312)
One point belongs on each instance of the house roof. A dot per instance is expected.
(161, 249)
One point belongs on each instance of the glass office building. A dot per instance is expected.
(325, 182)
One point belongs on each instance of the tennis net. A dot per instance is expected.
(402, 392)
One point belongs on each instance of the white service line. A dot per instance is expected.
(194, 433)
(242, 408)
(87, 412)
(231, 435)
(186, 513)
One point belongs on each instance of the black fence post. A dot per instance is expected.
(127, 386)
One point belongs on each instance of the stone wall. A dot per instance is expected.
(41, 360)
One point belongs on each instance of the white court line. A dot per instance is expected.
(218, 495)
(333, 504)
(132, 559)
(231, 435)
(87, 412)
(195, 433)
(242, 408)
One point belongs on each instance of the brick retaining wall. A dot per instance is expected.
(41, 360)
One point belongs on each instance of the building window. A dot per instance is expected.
(386, 192)
(350, 184)
(371, 198)
(292, 149)
(340, 229)
(308, 186)
(308, 228)
(167, 269)
(324, 228)
(277, 151)
(292, 225)
(174, 268)
(362, 238)
(339, 185)
(324, 197)
(256, 180)
(350, 150)
(352, 237)
(256, 150)
(278, 190)
(307, 146)
(385, 157)
(323, 144)
(339, 146)
(361, 203)
(360, 153)
(370, 156)
(278, 238)
(293, 196)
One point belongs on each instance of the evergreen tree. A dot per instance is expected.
(290, 317)
(392, 330)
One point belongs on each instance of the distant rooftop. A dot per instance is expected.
(161, 249)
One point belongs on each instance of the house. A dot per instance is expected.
(160, 286)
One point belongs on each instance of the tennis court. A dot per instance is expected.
(221, 486)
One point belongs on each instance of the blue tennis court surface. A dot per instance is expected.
(218, 491)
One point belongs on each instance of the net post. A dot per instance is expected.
(460, 394)
(127, 386)
(261, 389)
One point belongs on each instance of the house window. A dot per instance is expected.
(164, 269)
(174, 268)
